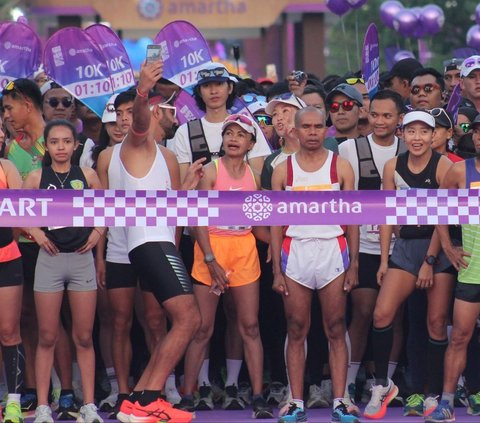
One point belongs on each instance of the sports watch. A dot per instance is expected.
(209, 258)
(431, 260)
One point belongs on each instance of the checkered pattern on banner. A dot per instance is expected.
(144, 208)
(432, 207)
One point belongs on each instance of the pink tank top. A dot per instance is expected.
(225, 182)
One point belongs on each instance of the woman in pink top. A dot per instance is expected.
(226, 257)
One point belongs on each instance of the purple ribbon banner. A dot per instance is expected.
(29, 208)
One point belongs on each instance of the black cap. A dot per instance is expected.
(476, 121)
(404, 69)
(442, 118)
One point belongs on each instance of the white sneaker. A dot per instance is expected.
(108, 403)
(43, 414)
(277, 393)
(381, 397)
(367, 390)
(88, 414)
(315, 398)
(430, 403)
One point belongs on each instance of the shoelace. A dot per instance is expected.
(414, 400)
(376, 391)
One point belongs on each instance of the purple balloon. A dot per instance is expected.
(473, 37)
(405, 22)
(432, 18)
(356, 4)
(339, 7)
(388, 10)
(419, 31)
(477, 14)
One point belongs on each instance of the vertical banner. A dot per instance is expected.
(371, 60)
(73, 59)
(116, 56)
(184, 53)
(454, 102)
(20, 52)
(187, 108)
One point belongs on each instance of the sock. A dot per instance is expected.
(352, 372)
(134, 396)
(450, 397)
(336, 402)
(233, 370)
(298, 403)
(13, 398)
(203, 378)
(112, 378)
(170, 383)
(461, 381)
(147, 397)
(382, 340)
(14, 361)
(435, 353)
(392, 366)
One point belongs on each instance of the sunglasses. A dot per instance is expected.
(438, 111)
(427, 88)
(465, 127)
(346, 105)
(264, 120)
(353, 81)
(239, 118)
(66, 102)
(212, 73)
(253, 98)
(167, 107)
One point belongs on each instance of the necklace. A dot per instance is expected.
(62, 183)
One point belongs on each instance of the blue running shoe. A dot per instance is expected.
(474, 405)
(294, 415)
(443, 413)
(341, 414)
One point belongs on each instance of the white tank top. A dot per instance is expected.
(157, 178)
(323, 179)
(117, 237)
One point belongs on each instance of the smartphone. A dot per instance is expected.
(154, 53)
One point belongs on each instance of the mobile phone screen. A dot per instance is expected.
(153, 53)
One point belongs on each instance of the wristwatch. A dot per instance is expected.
(431, 260)
(209, 258)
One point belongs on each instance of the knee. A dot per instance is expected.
(250, 330)
(437, 326)
(156, 321)
(47, 339)
(204, 332)
(121, 322)
(335, 329)
(381, 317)
(297, 329)
(460, 338)
(83, 340)
(10, 334)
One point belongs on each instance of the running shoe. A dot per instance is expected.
(430, 403)
(67, 409)
(113, 414)
(89, 414)
(276, 393)
(28, 403)
(474, 405)
(443, 413)
(341, 415)
(326, 391)
(261, 410)
(461, 397)
(43, 414)
(13, 413)
(381, 397)
(186, 404)
(367, 390)
(316, 397)
(158, 411)
(108, 404)
(414, 405)
(351, 407)
(352, 391)
(294, 414)
(205, 400)
(232, 401)
(126, 407)
(245, 392)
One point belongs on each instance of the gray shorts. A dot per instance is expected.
(73, 271)
(409, 255)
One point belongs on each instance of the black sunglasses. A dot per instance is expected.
(54, 102)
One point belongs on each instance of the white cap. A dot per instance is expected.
(244, 121)
(287, 98)
(419, 116)
(109, 114)
(469, 65)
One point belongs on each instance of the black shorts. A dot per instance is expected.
(368, 265)
(11, 273)
(29, 252)
(469, 292)
(122, 275)
(161, 268)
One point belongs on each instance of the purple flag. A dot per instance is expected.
(371, 60)
(184, 53)
(187, 108)
(454, 102)
(73, 59)
(116, 56)
(20, 52)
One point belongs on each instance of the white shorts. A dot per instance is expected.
(314, 262)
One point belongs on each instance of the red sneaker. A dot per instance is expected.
(125, 410)
(159, 411)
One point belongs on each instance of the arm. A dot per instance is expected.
(386, 230)
(276, 234)
(14, 180)
(347, 179)
(296, 87)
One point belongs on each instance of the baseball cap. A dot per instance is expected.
(476, 121)
(442, 118)
(109, 114)
(285, 98)
(419, 116)
(452, 64)
(404, 69)
(469, 64)
(347, 90)
(244, 121)
(214, 72)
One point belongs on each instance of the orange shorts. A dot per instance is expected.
(236, 254)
